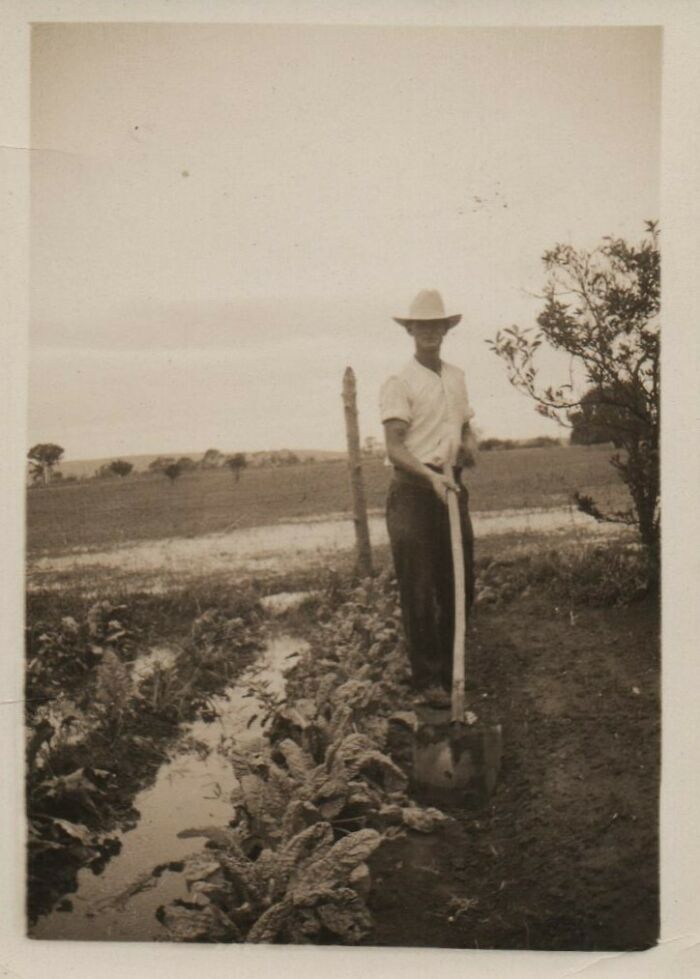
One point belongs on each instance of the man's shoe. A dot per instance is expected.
(437, 697)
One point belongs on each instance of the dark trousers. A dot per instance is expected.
(419, 533)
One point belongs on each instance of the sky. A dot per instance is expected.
(224, 217)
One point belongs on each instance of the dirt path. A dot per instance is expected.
(565, 857)
(281, 546)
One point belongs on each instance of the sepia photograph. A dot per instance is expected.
(343, 485)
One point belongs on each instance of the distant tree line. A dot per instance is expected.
(44, 458)
(590, 427)
(539, 442)
(116, 468)
(162, 463)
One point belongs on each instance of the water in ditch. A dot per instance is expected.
(192, 790)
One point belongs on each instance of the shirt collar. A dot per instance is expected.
(415, 364)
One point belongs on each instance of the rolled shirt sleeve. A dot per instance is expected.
(393, 401)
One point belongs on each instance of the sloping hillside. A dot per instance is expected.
(82, 468)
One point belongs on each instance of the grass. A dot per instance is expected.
(95, 514)
(154, 617)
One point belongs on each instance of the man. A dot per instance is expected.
(426, 413)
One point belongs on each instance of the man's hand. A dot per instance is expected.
(443, 484)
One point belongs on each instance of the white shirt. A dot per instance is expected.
(435, 406)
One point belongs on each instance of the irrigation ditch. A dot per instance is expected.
(190, 792)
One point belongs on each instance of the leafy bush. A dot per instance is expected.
(490, 444)
(62, 658)
(602, 310)
(538, 442)
(587, 575)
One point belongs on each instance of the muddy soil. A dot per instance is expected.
(565, 855)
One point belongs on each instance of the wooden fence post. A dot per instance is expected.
(359, 500)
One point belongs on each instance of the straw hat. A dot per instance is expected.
(428, 307)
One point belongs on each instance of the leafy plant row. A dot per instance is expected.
(594, 575)
(96, 725)
(322, 795)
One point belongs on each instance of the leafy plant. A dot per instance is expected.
(113, 690)
(300, 892)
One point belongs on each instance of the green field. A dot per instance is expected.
(101, 513)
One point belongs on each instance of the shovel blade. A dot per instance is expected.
(456, 764)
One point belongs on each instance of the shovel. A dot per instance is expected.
(456, 758)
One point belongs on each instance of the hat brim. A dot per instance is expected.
(449, 321)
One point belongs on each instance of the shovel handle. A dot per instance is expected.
(460, 618)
